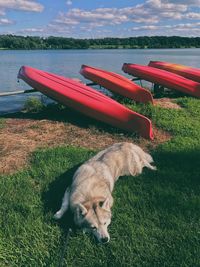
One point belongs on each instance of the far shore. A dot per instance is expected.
(136, 42)
(97, 48)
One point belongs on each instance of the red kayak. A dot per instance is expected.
(117, 84)
(187, 72)
(164, 78)
(86, 100)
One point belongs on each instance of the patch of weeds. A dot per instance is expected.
(33, 105)
(2, 122)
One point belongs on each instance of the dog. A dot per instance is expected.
(89, 197)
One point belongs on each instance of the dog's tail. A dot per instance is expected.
(147, 160)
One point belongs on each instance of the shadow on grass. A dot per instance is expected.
(52, 198)
(181, 168)
(57, 112)
(169, 94)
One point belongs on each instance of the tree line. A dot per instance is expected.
(51, 42)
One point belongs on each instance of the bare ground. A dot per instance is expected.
(19, 137)
(166, 103)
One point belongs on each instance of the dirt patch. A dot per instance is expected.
(20, 137)
(166, 103)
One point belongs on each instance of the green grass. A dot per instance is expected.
(156, 216)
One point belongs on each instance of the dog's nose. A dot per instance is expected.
(104, 240)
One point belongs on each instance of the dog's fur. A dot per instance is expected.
(89, 196)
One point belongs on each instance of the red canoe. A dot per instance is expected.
(187, 72)
(164, 78)
(86, 100)
(117, 84)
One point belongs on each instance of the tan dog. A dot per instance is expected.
(89, 196)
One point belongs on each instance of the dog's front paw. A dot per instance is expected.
(57, 215)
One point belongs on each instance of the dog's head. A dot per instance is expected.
(94, 216)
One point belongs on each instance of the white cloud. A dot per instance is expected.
(100, 15)
(165, 6)
(183, 29)
(4, 22)
(31, 30)
(160, 9)
(186, 2)
(25, 5)
(62, 19)
(186, 26)
(146, 28)
(103, 16)
(192, 15)
(48, 30)
(150, 12)
(69, 2)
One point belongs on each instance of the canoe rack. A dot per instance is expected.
(33, 90)
(18, 92)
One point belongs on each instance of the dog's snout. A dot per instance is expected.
(105, 240)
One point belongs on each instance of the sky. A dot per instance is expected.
(100, 18)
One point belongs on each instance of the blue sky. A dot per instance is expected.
(100, 18)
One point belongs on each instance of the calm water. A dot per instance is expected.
(68, 62)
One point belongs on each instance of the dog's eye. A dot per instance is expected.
(101, 203)
(94, 228)
(105, 223)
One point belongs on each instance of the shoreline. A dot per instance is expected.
(99, 48)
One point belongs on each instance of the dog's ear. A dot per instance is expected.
(82, 209)
(106, 204)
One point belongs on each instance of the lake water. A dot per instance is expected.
(68, 63)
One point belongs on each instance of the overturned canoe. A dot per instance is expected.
(117, 84)
(86, 100)
(185, 71)
(164, 78)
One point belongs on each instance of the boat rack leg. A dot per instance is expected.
(158, 89)
(91, 84)
(138, 79)
(135, 79)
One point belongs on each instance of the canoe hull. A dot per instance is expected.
(117, 84)
(86, 100)
(164, 78)
(185, 71)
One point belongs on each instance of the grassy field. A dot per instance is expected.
(156, 216)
